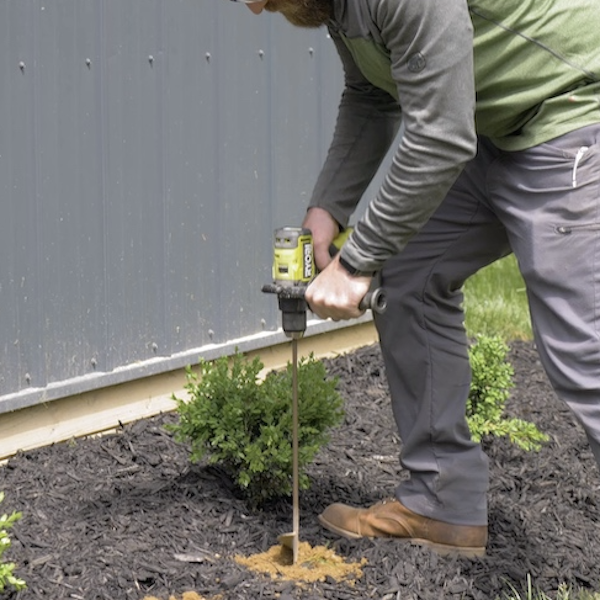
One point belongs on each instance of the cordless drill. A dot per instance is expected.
(294, 269)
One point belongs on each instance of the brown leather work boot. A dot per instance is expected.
(390, 518)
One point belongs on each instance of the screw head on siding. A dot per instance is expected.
(207, 56)
(311, 51)
(211, 334)
(22, 66)
(28, 378)
(94, 363)
(261, 54)
(154, 347)
(151, 60)
(88, 63)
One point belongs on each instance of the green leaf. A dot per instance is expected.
(491, 382)
(6, 569)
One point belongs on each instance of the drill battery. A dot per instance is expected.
(293, 260)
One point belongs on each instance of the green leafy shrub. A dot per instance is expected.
(246, 426)
(6, 569)
(491, 382)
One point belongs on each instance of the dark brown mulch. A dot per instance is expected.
(126, 515)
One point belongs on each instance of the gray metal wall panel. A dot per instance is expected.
(134, 219)
(70, 229)
(147, 151)
(22, 335)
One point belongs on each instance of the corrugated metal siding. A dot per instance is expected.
(148, 149)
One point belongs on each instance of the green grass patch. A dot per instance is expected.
(564, 593)
(496, 302)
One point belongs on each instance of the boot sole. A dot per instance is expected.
(441, 549)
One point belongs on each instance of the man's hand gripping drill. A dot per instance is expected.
(333, 293)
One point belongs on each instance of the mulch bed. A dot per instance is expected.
(126, 516)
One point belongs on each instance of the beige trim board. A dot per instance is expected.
(104, 409)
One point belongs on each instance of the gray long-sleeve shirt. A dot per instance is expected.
(520, 72)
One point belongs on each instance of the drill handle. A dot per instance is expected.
(375, 300)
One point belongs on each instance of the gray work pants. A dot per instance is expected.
(544, 205)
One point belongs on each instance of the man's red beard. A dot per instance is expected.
(303, 13)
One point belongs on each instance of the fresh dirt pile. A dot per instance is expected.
(313, 564)
(184, 596)
(126, 516)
